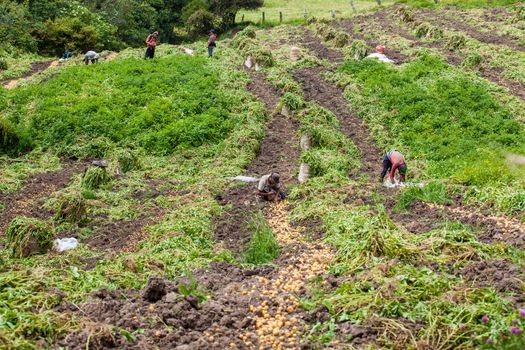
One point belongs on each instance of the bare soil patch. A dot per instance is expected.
(501, 275)
(29, 200)
(312, 43)
(317, 89)
(36, 67)
(448, 22)
(279, 152)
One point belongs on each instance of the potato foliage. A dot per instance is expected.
(170, 103)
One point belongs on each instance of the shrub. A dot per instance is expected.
(27, 236)
(425, 30)
(520, 13)
(359, 49)
(3, 64)
(71, 208)
(405, 14)
(329, 34)
(261, 55)
(292, 101)
(200, 22)
(312, 20)
(248, 32)
(433, 192)
(456, 42)
(472, 60)
(263, 247)
(341, 39)
(8, 137)
(95, 177)
(128, 160)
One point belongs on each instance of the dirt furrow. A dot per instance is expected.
(317, 89)
(36, 68)
(312, 43)
(492, 74)
(30, 199)
(279, 152)
(420, 217)
(442, 20)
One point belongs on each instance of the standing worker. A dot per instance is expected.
(393, 161)
(211, 42)
(91, 56)
(151, 44)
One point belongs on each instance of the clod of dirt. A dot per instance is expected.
(501, 275)
(155, 290)
(193, 301)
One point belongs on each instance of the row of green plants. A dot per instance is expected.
(435, 113)
(163, 105)
(182, 239)
(389, 278)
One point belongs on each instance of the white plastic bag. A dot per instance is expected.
(244, 178)
(63, 244)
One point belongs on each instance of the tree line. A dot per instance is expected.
(51, 26)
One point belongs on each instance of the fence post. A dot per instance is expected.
(333, 14)
(280, 17)
(242, 19)
(305, 14)
(263, 17)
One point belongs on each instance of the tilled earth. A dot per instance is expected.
(29, 200)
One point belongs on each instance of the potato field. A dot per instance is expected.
(134, 161)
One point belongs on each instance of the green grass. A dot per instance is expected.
(178, 242)
(263, 247)
(446, 121)
(293, 10)
(162, 105)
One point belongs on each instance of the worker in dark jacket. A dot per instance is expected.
(393, 161)
(151, 44)
(211, 42)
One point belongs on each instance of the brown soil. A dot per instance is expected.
(279, 152)
(30, 199)
(115, 236)
(312, 43)
(36, 67)
(501, 275)
(317, 89)
(447, 22)
(492, 74)
(491, 228)
(363, 22)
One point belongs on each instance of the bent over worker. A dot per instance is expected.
(269, 187)
(393, 161)
(151, 44)
(91, 56)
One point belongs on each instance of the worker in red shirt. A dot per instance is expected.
(393, 161)
(151, 43)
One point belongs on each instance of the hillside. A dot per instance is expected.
(135, 158)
